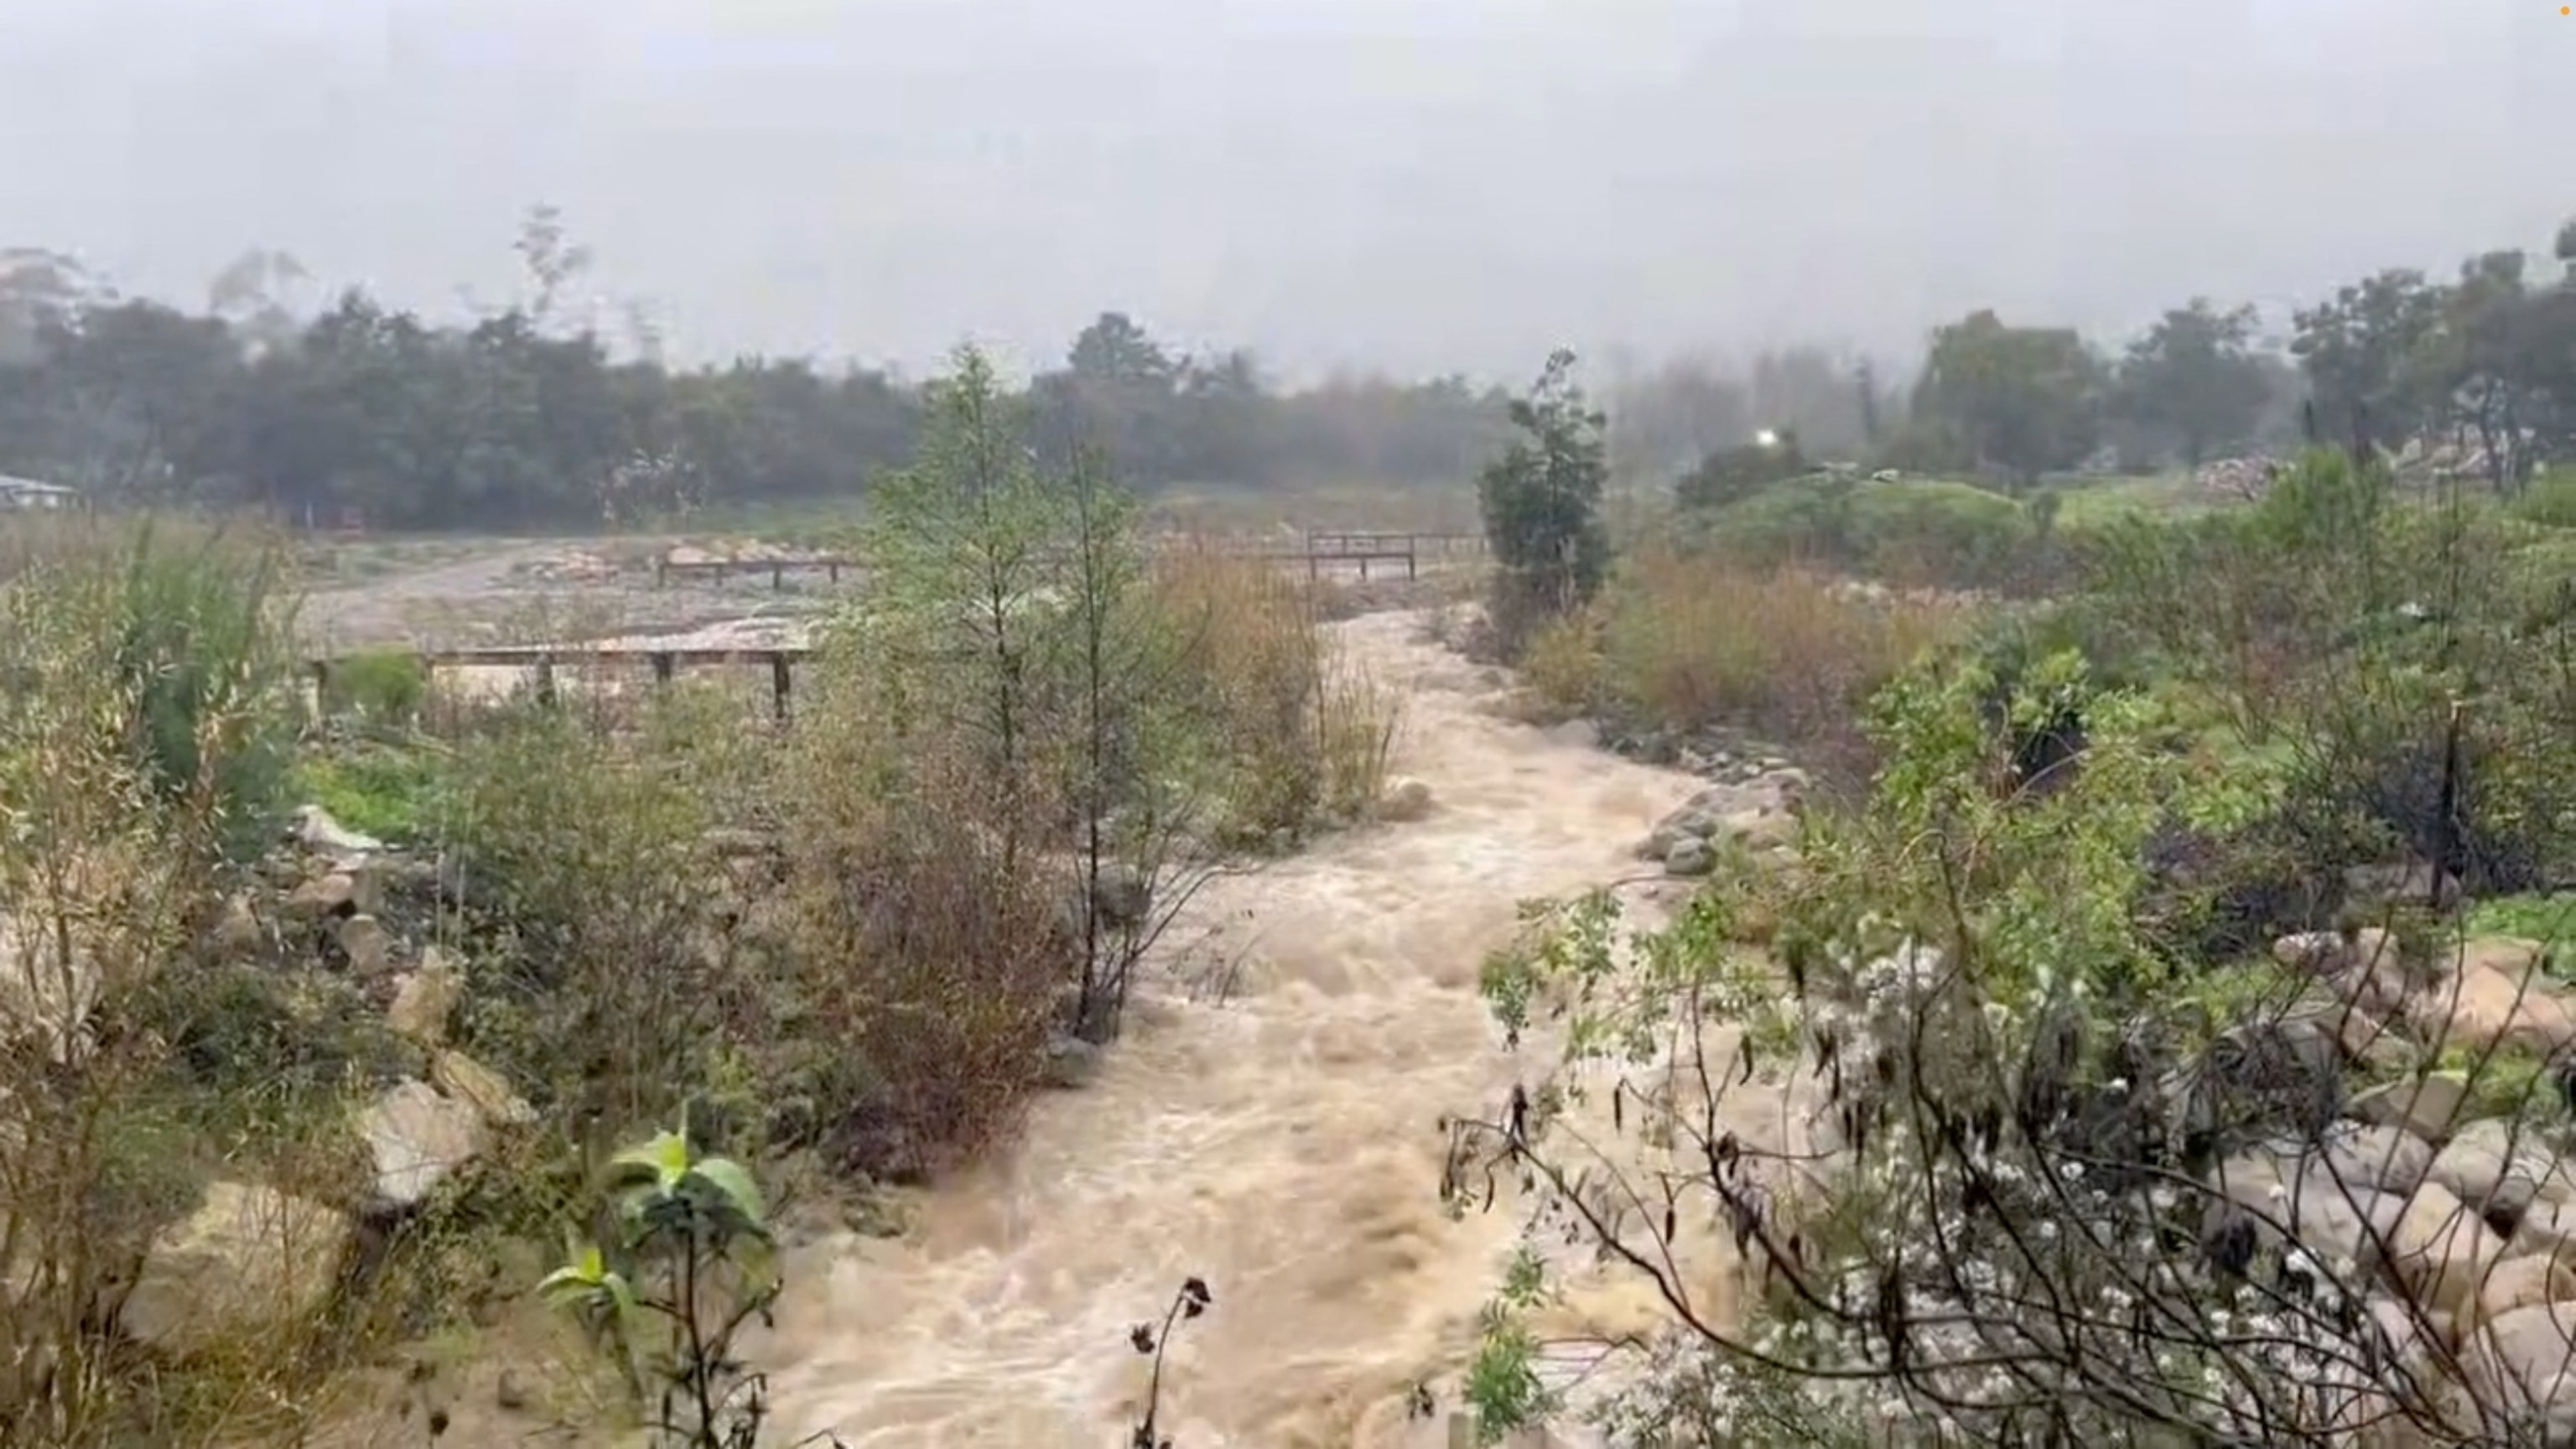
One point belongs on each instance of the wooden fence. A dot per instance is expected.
(1365, 548)
(1318, 550)
(777, 568)
(541, 660)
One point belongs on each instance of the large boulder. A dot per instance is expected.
(2362, 968)
(1689, 857)
(417, 1138)
(2430, 1107)
(2501, 1167)
(368, 945)
(2525, 1364)
(2524, 1281)
(426, 999)
(2385, 1159)
(318, 832)
(2288, 1195)
(2441, 1250)
(2495, 995)
(2263, 1077)
(247, 1263)
(332, 893)
(466, 1080)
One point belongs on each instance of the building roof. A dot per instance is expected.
(30, 485)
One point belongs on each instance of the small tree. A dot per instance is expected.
(687, 1262)
(1541, 502)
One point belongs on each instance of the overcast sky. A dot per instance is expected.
(1415, 184)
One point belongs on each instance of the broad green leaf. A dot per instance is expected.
(666, 1157)
(566, 1283)
(584, 1276)
(730, 1178)
(615, 1286)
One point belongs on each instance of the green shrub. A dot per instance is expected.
(195, 623)
(2387, 648)
(2537, 916)
(381, 686)
(391, 791)
(2550, 501)
(1731, 475)
(1911, 530)
(1541, 504)
(144, 718)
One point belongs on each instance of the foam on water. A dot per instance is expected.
(1284, 1144)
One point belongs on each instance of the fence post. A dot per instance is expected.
(780, 677)
(546, 680)
(321, 689)
(663, 664)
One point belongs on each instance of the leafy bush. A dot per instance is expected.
(2550, 501)
(381, 686)
(2005, 1230)
(1914, 530)
(1730, 475)
(2388, 650)
(1026, 749)
(198, 628)
(1295, 733)
(585, 876)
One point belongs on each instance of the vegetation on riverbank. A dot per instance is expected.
(2209, 865)
(843, 951)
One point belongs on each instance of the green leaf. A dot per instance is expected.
(665, 1159)
(587, 1274)
(729, 1178)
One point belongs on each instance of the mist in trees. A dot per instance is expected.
(325, 407)
(2483, 365)
(559, 407)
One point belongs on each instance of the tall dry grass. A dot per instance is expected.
(143, 721)
(1684, 640)
(1306, 732)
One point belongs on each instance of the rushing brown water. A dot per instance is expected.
(1282, 1144)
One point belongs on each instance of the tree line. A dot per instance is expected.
(2484, 363)
(529, 416)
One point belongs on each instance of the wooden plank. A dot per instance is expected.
(575, 655)
(777, 568)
